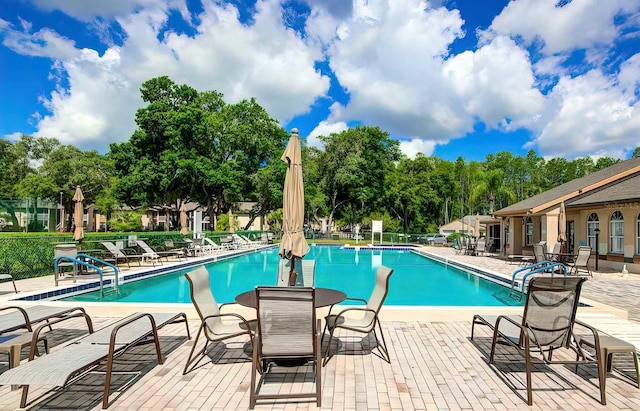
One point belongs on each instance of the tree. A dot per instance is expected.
(191, 146)
(490, 184)
(354, 165)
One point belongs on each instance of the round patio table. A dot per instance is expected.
(324, 297)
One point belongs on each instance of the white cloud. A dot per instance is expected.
(88, 10)
(577, 24)
(324, 128)
(588, 115)
(13, 136)
(265, 60)
(43, 43)
(412, 147)
(393, 58)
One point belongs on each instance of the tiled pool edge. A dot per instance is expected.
(483, 273)
(68, 291)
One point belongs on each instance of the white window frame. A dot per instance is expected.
(638, 235)
(528, 231)
(593, 222)
(616, 233)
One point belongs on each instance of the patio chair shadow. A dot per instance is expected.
(223, 352)
(509, 365)
(86, 392)
(352, 344)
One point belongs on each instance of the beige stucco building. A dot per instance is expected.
(602, 211)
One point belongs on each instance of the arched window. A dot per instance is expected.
(528, 231)
(593, 222)
(616, 233)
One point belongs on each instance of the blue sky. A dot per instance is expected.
(449, 77)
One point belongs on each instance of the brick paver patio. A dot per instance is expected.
(435, 366)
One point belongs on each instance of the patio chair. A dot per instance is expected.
(64, 365)
(119, 255)
(65, 250)
(363, 320)
(212, 319)
(480, 246)
(547, 325)
(287, 331)
(539, 252)
(582, 261)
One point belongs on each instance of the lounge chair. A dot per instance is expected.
(287, 331)
(212, 246)
(170, 247)
(7, 276)
(150, 253)
(212, 324)
(363, 320)
(240, 242)
(119, 255)
(581, 261)
(227, 242)
(16, 318)
(547, 325)
(63, 365)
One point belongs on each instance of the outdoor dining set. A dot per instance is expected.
(286, 331)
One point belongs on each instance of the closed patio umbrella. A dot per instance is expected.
(183, 220)
(562, 228)
(293, 244)
(476, 228)
(78, 212)
(232, 229)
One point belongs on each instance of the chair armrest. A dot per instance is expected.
(350, 299)
(340, 314)
(27, 324)
(238, 316)
(596, 338)
(36, 332)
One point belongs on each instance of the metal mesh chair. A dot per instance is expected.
(287, 330)
(212, 325)
(546, 326)
(363, 320)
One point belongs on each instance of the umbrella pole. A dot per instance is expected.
(292, 272)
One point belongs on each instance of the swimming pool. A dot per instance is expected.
(417, 280)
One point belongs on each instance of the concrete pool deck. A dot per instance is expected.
(434, 365)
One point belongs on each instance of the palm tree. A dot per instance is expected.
(490, 185)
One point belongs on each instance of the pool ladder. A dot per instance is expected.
(518, 285)
(81, 260)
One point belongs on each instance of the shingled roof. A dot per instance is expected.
(575, 188)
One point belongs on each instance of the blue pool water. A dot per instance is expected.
(416, 281)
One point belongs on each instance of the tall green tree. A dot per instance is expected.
(192, 146)
(355, 163)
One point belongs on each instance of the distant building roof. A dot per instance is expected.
(573, 188)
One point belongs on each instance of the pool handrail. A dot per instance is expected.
(542, 266)
(79, 261)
